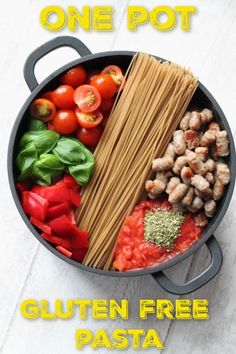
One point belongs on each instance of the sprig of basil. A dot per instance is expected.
(43, 140)
(47, 168)
(25, 161)
(35, 124)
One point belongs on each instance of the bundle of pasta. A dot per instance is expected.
(139, 128)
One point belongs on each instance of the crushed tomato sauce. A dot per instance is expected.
(134, 252)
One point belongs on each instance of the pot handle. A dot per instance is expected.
(202, 279)
(37, 54)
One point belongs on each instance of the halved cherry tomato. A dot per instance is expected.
(92, 74)
(87, 98)
(62, 97)
(65, 122)
(89, 120)
(74, 77)
(42, 109)
(105, 85)
(47, 95)
(115, 72)
(107, 105)
(90, 136)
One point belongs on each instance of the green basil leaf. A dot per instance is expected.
(47, 168)
(25, 161)
(70, 151)
(35, 124)
(82, 172)
(44, 140)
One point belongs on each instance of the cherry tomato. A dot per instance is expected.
(105, 85)
(91, 75)
(50, 126)
(88, 120)
(90, 136)
(65, 122)
(107, 105)
(62, 97)
(87, 98)
(42, 109)
(74, 77)
(115, 72)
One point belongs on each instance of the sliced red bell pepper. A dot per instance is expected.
(57, 193)
(40, 225)
(64, 251)
(52, 239)
(63, 227)
(80, 240)
(23, 186)
(66, 243)
(34, 205)
(79, 254)
(74, 197)
(70, 182)
(58, 209)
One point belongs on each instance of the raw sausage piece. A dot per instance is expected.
(200, 183)
(196, 205)
(218, 190)
(196, 164)
(195, 120)
(192, 139)
(223, 173)
(180, 162)
(178, 193)
(208, 138)
(222, 143)
(210, 165)
(201, 220)
(170, 151)
(174, 181)
(162, 164)
(207, 115)
(188, 199)
(202, 153)
(206, 195)
(214, 126)
(186, 175)
(155, 187)
(179, 142)
(209, 177)
(184, 123)
(210, 208)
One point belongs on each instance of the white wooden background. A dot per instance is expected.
(27, 269)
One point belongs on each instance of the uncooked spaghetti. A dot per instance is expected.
(149, 109)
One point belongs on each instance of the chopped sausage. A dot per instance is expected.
(208, 138)
(186, 175)
(155, 187)
(170, 151)
(174, 181)
(223, 173)
(162, 164)
(210, 208)
(196, 205)
(200, 183)
(206, 195)
(152, 196)
(196, 164)
(179, 142)
(178, 193)
(184, 123)
(209, 177)
(210, 165)
(192, 139)
(164, 176)
(222, 143)
(180, 162)
(195, 120)
(202, 153)
(200, 220)
(218, 190)
(188, 199)
(214, 126)
(207, 115)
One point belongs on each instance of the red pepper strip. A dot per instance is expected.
(63, 227)
(66, 243)
(57, 193)
(79, 254)
(40, 225)
(74, 197)
(23, 186)
(81, 240)
(64, 251)
(52, 239)
(34, 205)
(70, 182)
(58, 210)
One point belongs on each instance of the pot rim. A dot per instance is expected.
(138, 272)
